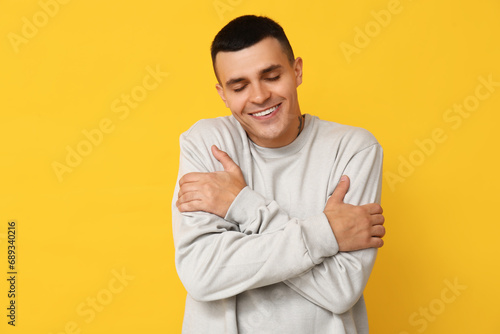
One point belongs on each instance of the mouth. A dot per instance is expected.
(267, 112)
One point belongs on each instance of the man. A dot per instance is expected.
(263, 242)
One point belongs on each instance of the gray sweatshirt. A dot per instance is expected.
(273, 265)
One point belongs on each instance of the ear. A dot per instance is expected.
(297, 67)
(220, 90)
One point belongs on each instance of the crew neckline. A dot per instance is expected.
(292, 148)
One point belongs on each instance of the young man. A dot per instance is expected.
(264, 241)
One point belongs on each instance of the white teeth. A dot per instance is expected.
(265, 112)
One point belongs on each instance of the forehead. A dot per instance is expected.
(250, 61)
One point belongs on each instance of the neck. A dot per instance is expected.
(302, 119)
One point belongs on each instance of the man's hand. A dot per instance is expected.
(355, 227)
(211, 192)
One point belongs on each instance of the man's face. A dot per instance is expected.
(259, 85)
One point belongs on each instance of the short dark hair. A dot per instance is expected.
(247, 30)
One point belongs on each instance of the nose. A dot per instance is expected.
(259, 93)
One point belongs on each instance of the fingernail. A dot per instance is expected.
(343, 178)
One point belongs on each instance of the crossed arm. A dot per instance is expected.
(328, 278)
(354, 227)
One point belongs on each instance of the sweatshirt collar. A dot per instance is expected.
(292, 148)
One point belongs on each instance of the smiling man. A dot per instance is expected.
(275, 216)
(259, 85)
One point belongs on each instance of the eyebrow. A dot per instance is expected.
(264, 71)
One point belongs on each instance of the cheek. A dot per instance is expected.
(286, 90)
(236, 104)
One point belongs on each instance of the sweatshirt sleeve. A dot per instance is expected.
(215, 260)
(336, 283)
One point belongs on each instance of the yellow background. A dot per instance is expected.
(111, 213)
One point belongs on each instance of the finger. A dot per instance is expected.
(373, 208)
(187, 198)
(341, 189)
(377, 219)
(189, 187)
(376, 242)
(189, 206)
(191, 177)
(378, 231)
(224, 159)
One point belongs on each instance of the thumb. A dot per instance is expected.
(341, 189)
(228, 164)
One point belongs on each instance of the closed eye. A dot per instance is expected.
(236, 90)
(273, 78)
(240, 89)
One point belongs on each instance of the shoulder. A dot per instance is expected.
(224, 132)
(345, 136)
(210, 127)
(213, 131)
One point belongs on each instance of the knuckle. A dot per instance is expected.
(365, 237)
(365, 221)
(210, 193)
(358, 210)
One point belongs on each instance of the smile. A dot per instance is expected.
(266, 112)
